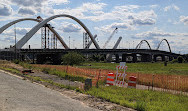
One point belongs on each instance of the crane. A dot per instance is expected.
(108, 40)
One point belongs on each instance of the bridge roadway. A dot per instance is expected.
(126, 55)
(99, 51)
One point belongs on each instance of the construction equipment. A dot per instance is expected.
(90, 42)
(108, 40)
(109, 56)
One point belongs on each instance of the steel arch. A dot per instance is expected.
(14, 22)
(141, 43)
(167, 44)
(19, 20)
(21, 42)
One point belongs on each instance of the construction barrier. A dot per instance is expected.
(118, 82)
(132, 82)
(120, 76)
(110, 79)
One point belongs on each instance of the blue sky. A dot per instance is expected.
(152, 20)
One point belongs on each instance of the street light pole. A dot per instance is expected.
(15, 41)
(69, 41)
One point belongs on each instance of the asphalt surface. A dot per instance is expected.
(17, 94)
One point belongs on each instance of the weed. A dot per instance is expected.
(141, 100)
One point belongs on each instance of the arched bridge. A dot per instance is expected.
(137, 54)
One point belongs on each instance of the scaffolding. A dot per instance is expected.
(85, 40)
(48, 41)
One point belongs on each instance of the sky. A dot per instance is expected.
(136, 20)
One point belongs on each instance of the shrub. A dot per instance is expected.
(16, 61)
(73, 58)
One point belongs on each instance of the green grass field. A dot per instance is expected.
(141, 100)
(145, 68)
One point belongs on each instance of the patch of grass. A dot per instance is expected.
(145, 68)
(58, 73)
(55, 84)
(142, 100)
(12, 70)
(64, 75)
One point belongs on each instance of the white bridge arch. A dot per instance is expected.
(22, 41)
(19, 20)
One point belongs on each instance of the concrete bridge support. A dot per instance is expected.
(134, 58)
(51, 58)
(117, 58)
(146, 58)
(129, 58)
(159, 58)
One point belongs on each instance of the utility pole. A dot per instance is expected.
(15, 41)
(69, 41)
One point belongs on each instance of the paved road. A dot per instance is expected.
(20, 95)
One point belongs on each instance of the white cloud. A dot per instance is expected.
(159, 33)
(9, 35)
(126, 8)
(153, 6)
(5, 10)
(79, 11)
(70, 27)
(58, 2)
(167, 8)
(26, 11)
(25, 3)
(37, 6)
(155, 36)
(184, 19)
(109, 28)
(92, 6)
(146, 21)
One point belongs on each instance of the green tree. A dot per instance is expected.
(180, 59)
(73, 58)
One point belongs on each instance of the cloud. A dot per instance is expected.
(19, 31)
(70, 27)
(92, 6)
(5, 10)
(25, 3)
(58, 2)
(84, 8)
(126, 8)
(184, 19)
(37, 6)
(147, 21)
(121, 13)
(167, 8)
(155, 36)
(154, 33)
(26, 11)
(109, 28)
(153, 6)
(158, 33)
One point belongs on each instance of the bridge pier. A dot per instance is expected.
(170, 58)
(163, 58)
(129, 58)
(123, 58)
(146, 58)
(134, 58)
(117, 58)
(160, 58)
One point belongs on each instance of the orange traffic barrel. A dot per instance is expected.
(132, 82)
(110, 79)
